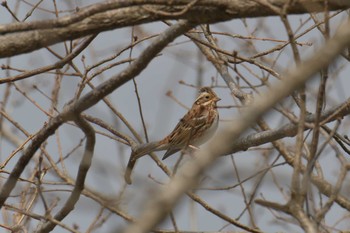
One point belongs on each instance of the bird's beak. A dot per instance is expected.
(217, 99)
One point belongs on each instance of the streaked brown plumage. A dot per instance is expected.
(195, 128)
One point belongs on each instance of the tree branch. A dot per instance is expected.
(187, 177)
(288, 130)
(84, 166)
(18, 38)
(91, 99)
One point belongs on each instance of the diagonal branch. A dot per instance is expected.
(187, 178)
(91, 99)
(56, 65)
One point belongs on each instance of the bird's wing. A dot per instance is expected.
(184, 131)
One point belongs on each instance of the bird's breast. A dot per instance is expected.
(208, 133)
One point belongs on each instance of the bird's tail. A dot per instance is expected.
(137, 153)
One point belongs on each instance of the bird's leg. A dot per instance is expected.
(193, 147)
(190, 149)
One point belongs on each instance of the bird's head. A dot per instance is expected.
(206, 97)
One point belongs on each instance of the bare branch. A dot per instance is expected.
(189, 174)
(90, 99)
(81, 176)
(21, 38)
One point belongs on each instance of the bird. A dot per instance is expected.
(196, 127)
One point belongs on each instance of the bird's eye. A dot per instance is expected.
(207, 97)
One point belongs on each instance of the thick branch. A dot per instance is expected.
(288, 130)
(21, 38)
(187, 178)
(91, 99)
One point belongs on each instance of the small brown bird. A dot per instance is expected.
(194, 129)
